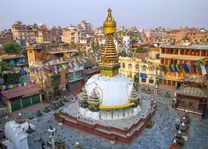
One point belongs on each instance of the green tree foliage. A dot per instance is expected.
(140, 50)
(123, 53)
(12, 78)
(6, 66)
(73, 45)
(12, 48)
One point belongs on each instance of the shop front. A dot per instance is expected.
(22, 97)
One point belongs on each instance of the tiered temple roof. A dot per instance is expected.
(194, 91)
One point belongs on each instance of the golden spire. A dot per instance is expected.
(109, 58)
(109, 24)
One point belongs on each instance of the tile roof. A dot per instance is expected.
(6, 56)
(201, 92)
(181, 57)
(195, 47)
(16, 92)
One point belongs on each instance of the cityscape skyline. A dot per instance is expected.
(104, 74)
(141, 14)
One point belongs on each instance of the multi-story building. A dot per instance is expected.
(142, 69)
(43, 36)
(16, 90)
(178, 54)
(84, 28)
(55, 34)
(23, 32)
(154, 52)
(99, 31)
(6, 36)
(70, 35)
(12, 70)
(56, 71)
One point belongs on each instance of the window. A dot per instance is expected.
(182, 52)
(143, 80)
(144, 68)
(173, 83)
(169, 82)
(130, 66)
(162, 60)
(164, 82)
(137, 67)
(123, 65)
(157, 56)
(151, 81)
(203, 53)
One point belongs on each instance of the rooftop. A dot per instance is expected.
(63, 51)
(195, 47)
(184, 57)
(16, 92)
(201, 92)
(7, 56)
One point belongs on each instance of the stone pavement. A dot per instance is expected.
(158, 137)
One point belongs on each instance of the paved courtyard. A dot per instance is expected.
(158, 137)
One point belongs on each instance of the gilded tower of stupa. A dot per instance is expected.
(109, 58)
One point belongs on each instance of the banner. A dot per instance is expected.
(191, 68)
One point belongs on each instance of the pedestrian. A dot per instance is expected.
(177, 126)
(43, 145)
(203, 116)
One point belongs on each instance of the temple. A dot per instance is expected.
(109, 105)
(109, 95)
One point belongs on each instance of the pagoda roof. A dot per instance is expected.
(187, 90)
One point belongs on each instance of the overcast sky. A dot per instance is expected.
(140, 13)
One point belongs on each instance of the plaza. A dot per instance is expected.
(159, 136)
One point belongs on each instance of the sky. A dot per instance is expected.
(140, 13)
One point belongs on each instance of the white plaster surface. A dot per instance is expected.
(113, 91)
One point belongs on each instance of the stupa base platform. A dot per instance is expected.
(121, 130)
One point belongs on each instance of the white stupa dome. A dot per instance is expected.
(112, 91)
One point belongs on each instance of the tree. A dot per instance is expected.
(123, 53)
(12, 78)
(141, 50)
(73, 45)
(12, 48)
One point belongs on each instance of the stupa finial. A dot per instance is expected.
(109, 24)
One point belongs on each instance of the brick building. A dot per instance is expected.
(178, 54)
